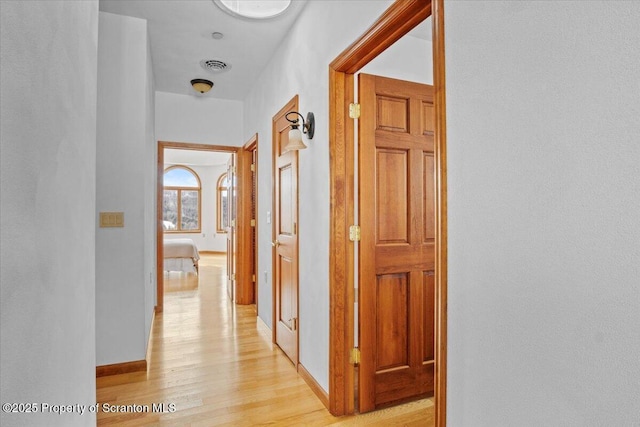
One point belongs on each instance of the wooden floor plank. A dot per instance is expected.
(215, 362)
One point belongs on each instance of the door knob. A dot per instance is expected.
(275, 243)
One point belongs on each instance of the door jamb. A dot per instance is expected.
(395, 22)
(159, 195)
(245, 216)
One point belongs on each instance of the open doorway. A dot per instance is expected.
(394, 181)
(398, 20)
(194, 208)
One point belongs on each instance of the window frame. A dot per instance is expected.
(179, 189)
(219, 214)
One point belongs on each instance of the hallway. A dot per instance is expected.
(211, 363)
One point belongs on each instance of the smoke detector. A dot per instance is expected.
(214, 65)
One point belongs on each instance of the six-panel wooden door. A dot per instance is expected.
(396, 268)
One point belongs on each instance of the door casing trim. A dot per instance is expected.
(395, 22)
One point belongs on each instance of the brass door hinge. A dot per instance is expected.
(253, 222)
(354, 233)
(253, 278)
(354, 356)
(354, 110)
(253, 167)
(233, 277)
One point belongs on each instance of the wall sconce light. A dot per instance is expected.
(295, 136)
(201, 85)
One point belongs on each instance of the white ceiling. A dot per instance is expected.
(180, 37)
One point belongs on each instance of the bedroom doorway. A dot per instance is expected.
(209, 217)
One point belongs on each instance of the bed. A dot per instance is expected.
(181, 255)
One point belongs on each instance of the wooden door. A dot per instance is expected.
(285, 242)
(245, 182)
(397, 199)
(231, 227)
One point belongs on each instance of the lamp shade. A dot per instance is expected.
(202, 85)
(295, 140)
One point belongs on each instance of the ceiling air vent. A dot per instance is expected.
(214, 65)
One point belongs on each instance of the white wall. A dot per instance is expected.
(409, 58)
(543, 116)
(125, 276)
(208, 239)
(198, 119)
(149, 166)
(47, 207)
(300, 69)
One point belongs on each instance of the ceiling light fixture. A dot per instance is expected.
(217, 35)
(202, 85)
(254, 9)
(295, 136)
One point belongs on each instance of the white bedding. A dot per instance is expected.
(181, 255)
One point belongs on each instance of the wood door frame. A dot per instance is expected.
(245, 250)
(291, 105)
(395, 22)
(159, 195)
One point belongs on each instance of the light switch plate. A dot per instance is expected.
(111, 219)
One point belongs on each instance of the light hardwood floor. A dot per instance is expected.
(217, 365)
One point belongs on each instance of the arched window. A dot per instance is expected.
(222, 192)
(181, 201)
